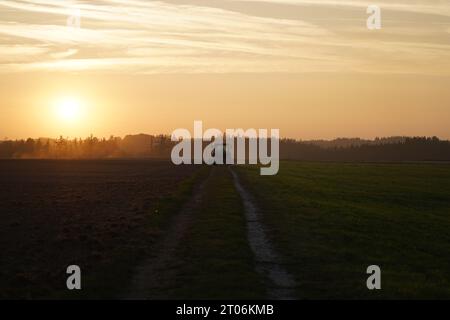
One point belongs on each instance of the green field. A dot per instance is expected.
(331, 221)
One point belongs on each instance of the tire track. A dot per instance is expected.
(281, 284)
(156, 274)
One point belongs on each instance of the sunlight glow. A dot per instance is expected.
(68, 109)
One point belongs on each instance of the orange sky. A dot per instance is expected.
(310, 68)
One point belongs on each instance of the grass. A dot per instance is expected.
(217, 260)
(331, 221)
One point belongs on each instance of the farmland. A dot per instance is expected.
(332, 220)
(149, 229)
(101, 215)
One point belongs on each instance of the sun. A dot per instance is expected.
(68, 109)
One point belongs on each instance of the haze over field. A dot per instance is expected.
(310, 68)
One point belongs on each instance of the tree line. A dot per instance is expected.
(88, 148)
(405, 149)
(160, 146)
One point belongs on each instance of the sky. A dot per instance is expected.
(309, 68)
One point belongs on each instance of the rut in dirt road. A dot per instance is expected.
(160, 271)
(281, 284)
(215, 204)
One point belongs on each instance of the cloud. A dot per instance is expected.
(435, 7)
(20, 52)
(159, 37)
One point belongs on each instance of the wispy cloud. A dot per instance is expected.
(437, 7)
(155, 36)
